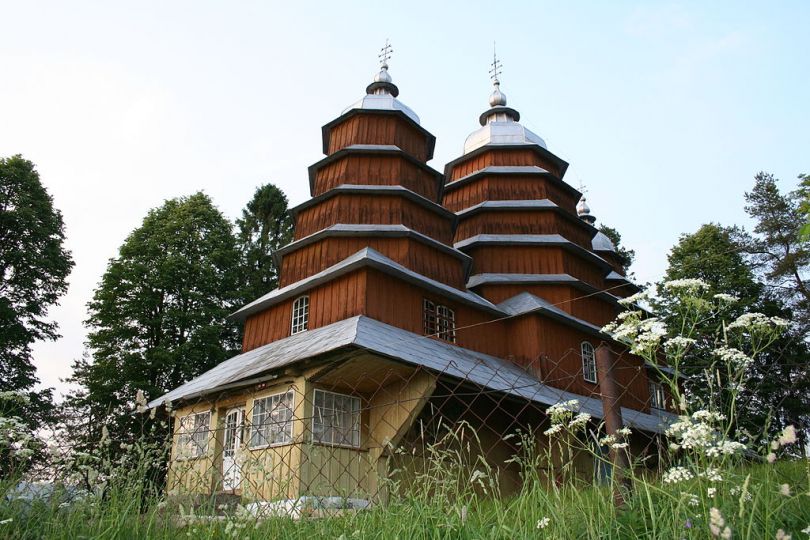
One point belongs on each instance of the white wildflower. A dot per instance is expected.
(625, 431)
(6, 521)
(784, 490)
(726, 298)
(733, 356)
(788, 436)
(678, 343)
(607, 440)
(751, 321)
(711, 492)
(687, 285)
(636, 298)
(579, 421)
(779, 321)
(771, 457)
(553, 430)
(782, 535)
(543, 523)
(712, 475)
(677, 474)
(692, 500)
(619, 445)
(140, 401)
(563, 406)
(806, 530)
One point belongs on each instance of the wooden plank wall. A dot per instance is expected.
(562, 365)
(379, 129)
(376, 170)
(532, 259)
(373, 209)
(400, 304)
(523, 222)
(508, 188)
(408, 252)
(339, 299)
(499, 157)
(567, 298)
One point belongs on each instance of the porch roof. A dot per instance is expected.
(368, 334)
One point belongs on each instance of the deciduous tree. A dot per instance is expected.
(34, 266)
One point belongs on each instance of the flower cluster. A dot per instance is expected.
(643, 334)
(677, 474)
(688, 285)
(562, 416)
(699, 433)
(733, 356)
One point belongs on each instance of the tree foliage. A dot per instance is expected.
(779, 380)
(34, 266)
(266, 225)
(777, 248)
(158, 317)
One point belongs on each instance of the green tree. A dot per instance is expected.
(778, 379)
(804, 206)
(266, 225)
(777, 248)
(626, 255)
(34, 266)
(158, 317)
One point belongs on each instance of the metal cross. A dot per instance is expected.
(496, 65)
(385, 53)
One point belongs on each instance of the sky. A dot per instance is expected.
(664, 110)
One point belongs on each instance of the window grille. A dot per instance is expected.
(439, 321)
(300, 315)
(657, 398)
(194, 434)
(272, 420)
(336, 419)
(588, 362)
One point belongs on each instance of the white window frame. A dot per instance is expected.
(657, 396)
(350, 438)
(300, 315)
(588, 354)
(283, 427)
(438, 320)
(193, 435)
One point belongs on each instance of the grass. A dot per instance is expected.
(652, 510)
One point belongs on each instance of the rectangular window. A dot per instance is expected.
(272, 420)
(438, 321)
(588, 362)
(194, 432)
(657, 398)
(336, 419)
(428, 317)
(300, 315)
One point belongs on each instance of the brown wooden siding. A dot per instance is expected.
(569, 299)
(373, 209)
(400, 304)
(509, 188)
(376, 170)
(523, 222)
(500, 157)
(379, 129)
(339, 299)
(552, 350)
(419, 257)
(533, 259)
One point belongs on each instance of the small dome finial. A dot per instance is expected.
(583, 210)
(383, 84)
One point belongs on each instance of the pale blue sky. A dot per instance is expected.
(665, 110)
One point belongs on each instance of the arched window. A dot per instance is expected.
(588, 362)
(300, 315)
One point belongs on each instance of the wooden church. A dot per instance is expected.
(410, 301)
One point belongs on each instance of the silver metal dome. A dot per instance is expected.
(497, 98)
(382, 93)
(582, 207)
(499, 125)
(601, 242)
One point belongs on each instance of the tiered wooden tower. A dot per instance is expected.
(498, 239)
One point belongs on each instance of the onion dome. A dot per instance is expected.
(499, 125)
(382, 93)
